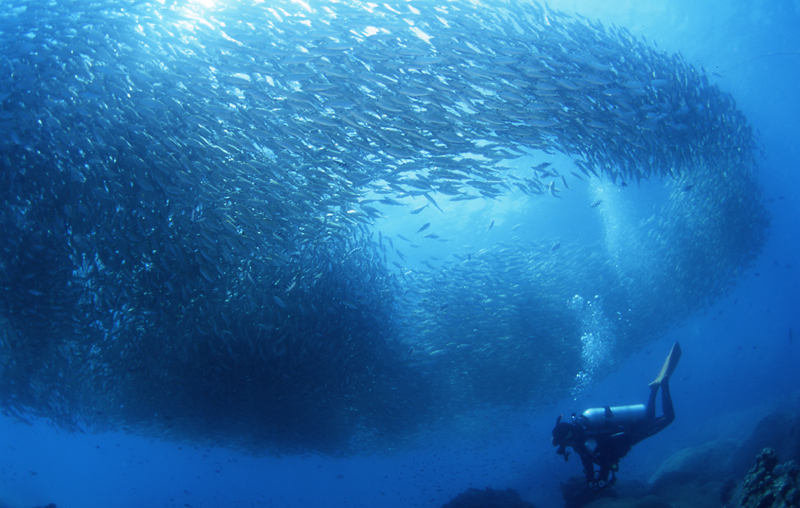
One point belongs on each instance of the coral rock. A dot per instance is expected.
(769, 485)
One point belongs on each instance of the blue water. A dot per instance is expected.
(741, 355)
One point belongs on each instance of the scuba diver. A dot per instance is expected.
(604, 435)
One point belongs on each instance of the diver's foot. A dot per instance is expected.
(669, 366)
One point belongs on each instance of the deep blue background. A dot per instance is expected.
(739, 356)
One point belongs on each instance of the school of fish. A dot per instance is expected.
(188, 215)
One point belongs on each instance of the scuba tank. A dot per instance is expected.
(609, 418)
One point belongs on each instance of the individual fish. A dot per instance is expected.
(433, 202)
(390, 201)
(279, 302)
(424, 227)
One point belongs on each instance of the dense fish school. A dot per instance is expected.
(188, 245)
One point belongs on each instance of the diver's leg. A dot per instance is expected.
(666, 402)
(669, 412)
(648, 426)
(651, 425)
(650, 412)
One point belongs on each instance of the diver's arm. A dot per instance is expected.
(588, 463)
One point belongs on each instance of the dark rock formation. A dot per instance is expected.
(488, 498)
(578, 493)
(631, 502)
(706, 461)
(779, 430)
(727, 490)
(769, 485)
(685, 489)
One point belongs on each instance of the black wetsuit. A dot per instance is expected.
(605, 447)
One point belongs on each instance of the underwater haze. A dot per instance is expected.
(341, 253)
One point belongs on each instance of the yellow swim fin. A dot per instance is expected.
(669, 365)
